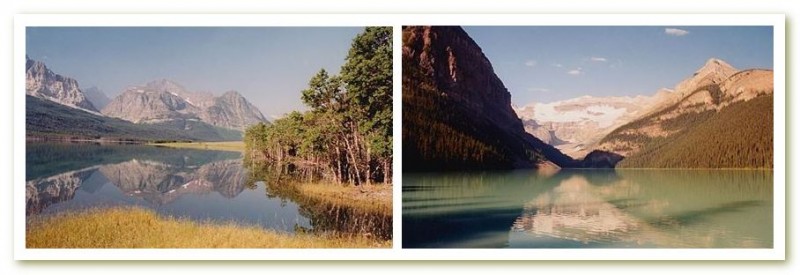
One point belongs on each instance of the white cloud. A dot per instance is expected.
(577, 71)
(599, 59)
(530, 63)
(558, 65)
(675, 32)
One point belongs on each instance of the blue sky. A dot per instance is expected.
(545, 64)
(268, 65)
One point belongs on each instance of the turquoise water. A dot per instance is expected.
(589, 209)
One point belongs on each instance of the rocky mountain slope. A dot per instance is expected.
(716, 97)
(43, 83)
(166, 101)
(96, 96)
(457, 113)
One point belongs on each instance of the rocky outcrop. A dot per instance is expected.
(457, 113)
(601, 159)
(43, 83)
(164, 100)
(747, 84)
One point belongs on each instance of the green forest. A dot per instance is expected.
(437, 135)
(346, 136)
(738, 136)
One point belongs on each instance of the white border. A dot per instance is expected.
(396, 20)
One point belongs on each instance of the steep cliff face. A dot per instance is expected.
(457, 113)
(43, 83)
(461, 71)
(166, 101)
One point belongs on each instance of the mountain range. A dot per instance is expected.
(634, 127)
(575, 125)
(164, 100)
(160, 110)
(457, 115)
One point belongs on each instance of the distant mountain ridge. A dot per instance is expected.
(43, 83)
(96, 96)
(575, 125)
(164, 100)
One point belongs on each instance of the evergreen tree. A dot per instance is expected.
(347, 135)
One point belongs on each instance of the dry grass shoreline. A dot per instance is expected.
(374, 198)
(127, 227)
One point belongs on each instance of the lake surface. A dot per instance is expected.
(589, 209)
(201, 185)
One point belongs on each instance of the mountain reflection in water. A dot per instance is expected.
(200, 185)
(589, 208)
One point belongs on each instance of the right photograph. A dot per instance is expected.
(587, 137)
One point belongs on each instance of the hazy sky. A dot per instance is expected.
(546, 64)
(268, 65)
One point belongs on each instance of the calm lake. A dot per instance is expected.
(201, 185)
(589, 209)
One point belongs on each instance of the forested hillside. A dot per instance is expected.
(738, 136)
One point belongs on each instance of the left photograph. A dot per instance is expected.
(208, 137)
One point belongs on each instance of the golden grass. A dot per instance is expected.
(139, 228)
(235, 146)
(374, 198)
